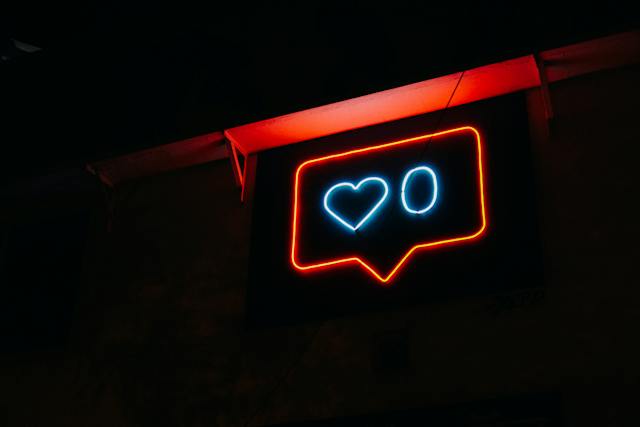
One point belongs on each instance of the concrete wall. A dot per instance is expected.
(158, 338)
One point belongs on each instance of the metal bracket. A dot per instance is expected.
(544, 87)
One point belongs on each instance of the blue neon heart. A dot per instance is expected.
(349, 185)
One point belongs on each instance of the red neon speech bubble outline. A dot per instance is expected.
(425, 245)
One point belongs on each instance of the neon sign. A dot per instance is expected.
(433, 238)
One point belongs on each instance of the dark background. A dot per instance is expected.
(157, 333)
(506, 258)
(115, 77)
(527, 410)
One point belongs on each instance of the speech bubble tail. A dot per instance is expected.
(399, 266)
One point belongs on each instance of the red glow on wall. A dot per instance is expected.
(386, 106)
(387, 278)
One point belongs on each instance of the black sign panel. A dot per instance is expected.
(433, 206)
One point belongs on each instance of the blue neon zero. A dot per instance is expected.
(427, 207)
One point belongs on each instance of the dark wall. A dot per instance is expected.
(158, 337)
